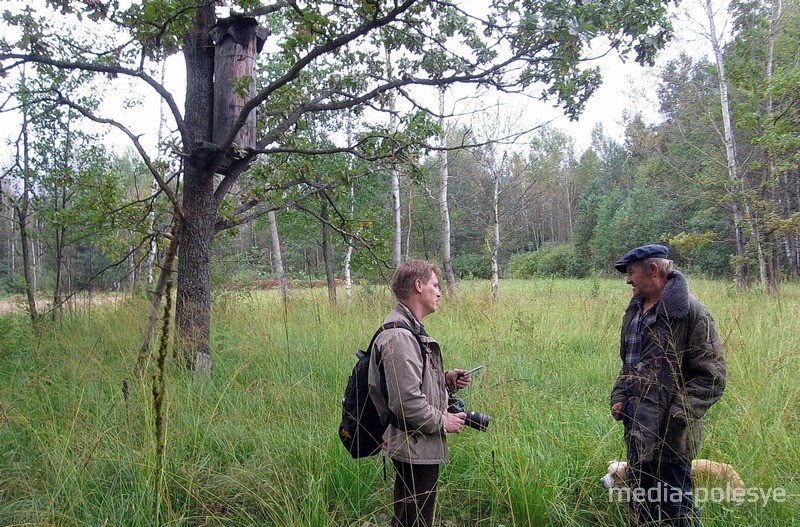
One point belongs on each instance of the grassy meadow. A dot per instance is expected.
(255, 443)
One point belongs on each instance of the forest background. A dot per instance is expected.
(716, 180)
(341, 156)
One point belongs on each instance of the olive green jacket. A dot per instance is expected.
(679, 375)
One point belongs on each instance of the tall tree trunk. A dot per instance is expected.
(494, 247)
(193, 307)
(779, 194)
(348, 255)
(152, 248)
(277, 256)
(730, 150)
(58, 286)
(397, 222)
(444, 172)
(194, 272)
(351, 198)
(21, 208)
(409, 219)
(327, 251)
(27, 265)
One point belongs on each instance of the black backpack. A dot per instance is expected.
(361, 430)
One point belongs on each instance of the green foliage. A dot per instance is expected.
(551, 260)
(472, 266)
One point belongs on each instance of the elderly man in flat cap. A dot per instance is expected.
(673, 370)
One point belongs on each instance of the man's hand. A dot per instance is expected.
(457, 378)
(615, 408)
(455, 422)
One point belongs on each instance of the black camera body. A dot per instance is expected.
(474, 419)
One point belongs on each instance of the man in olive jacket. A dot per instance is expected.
(673, 370)
(414, 402)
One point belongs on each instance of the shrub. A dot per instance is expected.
(551, 260)
(472, 266)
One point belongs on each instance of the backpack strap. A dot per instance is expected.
(384, 391)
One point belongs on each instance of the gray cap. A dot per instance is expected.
(640, 253)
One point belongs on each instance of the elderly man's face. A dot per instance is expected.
(643, 280)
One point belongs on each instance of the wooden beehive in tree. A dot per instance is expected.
(237, 41)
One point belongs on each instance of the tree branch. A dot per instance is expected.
(135, 140)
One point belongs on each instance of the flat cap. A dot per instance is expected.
(640, 253)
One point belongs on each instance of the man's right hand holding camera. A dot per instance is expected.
(455, 422)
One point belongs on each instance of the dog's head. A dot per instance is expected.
(615, 476)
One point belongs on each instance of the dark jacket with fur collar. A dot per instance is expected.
(680, 374)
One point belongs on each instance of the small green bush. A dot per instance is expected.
(472, 265)
(551, 260)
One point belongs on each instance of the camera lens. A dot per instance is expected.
(477, 420)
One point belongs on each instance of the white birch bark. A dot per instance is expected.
(152, 249)
(444, 208)
(348, 255)
(277, 258)
(739, 204)
(397, 221)
(494, 247)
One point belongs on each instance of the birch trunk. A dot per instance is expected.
(494, 247)
(444, 208)
(152, 249)
(739, 205)
(397, 222)
(351, 196)
(769, 276)
(277, 256)
(348, 255)
(21, 210)
(781, 193)
(327, 251)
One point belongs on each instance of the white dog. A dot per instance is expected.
(704, 473)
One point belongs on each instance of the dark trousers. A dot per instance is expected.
(414, 494)
(662, 494)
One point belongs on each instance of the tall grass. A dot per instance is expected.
(255, 443)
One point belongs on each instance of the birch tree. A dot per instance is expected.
(444, 208)
(739, 202)
(277, 256)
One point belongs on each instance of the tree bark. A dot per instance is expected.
(327, 251)
(277, 256)
(494, 247)
(194, 272)
(351, 198)
(348, 255)
(397, 222)
(21, 210)
(193, 307)
(730, 150)
(447, 261)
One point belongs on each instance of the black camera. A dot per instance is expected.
(476, 420)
